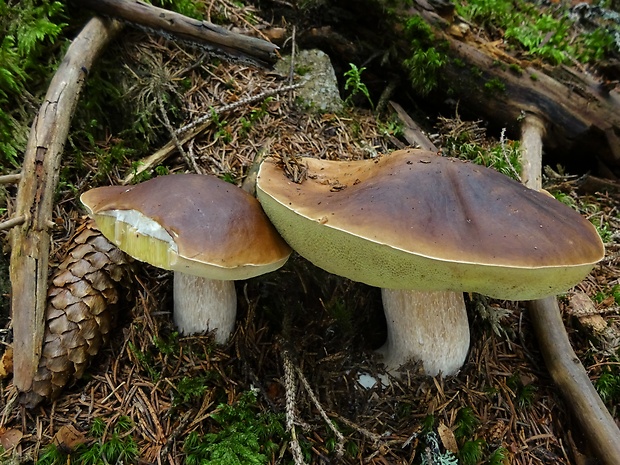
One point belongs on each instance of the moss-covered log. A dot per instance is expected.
(446, 59)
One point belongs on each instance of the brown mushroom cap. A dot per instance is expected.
(414, 220)
(190, 223)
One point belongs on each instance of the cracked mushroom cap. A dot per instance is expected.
(194, 224)
(414, 220)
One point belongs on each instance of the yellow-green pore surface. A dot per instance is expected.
(190, 223)
(414, 220)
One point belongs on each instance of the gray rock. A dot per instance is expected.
(320, 87)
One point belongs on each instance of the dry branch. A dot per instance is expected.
(195, 128)
(30, 242)
(596, 423)
(216, 39)
(566, 370)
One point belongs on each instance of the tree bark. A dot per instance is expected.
(30, 242)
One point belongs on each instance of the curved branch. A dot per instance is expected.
(30, 242)
(564, 366)
(570, 376)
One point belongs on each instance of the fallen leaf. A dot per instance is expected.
(9, 438)
(6, 363)
(447, 438)
(68, 438)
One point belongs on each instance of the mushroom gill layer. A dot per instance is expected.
(413, 220)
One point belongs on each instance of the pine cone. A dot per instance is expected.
(83, 294)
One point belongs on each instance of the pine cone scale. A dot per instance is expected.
(82, 297)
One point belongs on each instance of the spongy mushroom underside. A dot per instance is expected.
(145, 240)
(412, 220)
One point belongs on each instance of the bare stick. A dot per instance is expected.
(30, 242)
(411, 131)
(191, 161)
(10, 178)
(15, 221)
(239, 103)
(563, 364)
(570, 376)
(291, 402)
(208, 35)
(321, 410)
(532, 133)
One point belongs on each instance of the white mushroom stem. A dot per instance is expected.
(201, 303)
(431, 327)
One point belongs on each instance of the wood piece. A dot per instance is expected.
(10, 178)
(532, 133)
(30, 242)
(566, 370)
(596, 423)
(211, 36)
(10, 223)
(412, 131)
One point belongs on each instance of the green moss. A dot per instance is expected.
(472, 452)
(475, 71)
(495, 85)
(427, 58)
(241, 435)
(118, 446)
(546, 33)
(516, 69)
(28, 29)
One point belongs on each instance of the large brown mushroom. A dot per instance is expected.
(425, 229)
(207, 231)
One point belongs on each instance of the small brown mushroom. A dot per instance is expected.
(207, 231)
(414, 221)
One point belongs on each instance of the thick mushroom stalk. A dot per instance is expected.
(430, 327)
(203, 303)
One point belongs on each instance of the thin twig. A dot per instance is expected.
(186, 420)
(291, 72)
(319, 407)
(237, 104)
(191, 161)
(502, 142)
(291, 400)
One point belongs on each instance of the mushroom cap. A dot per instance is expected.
(194, 224)
(414, 220)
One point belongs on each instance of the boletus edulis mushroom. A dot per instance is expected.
(425, 229)
(207, 231)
